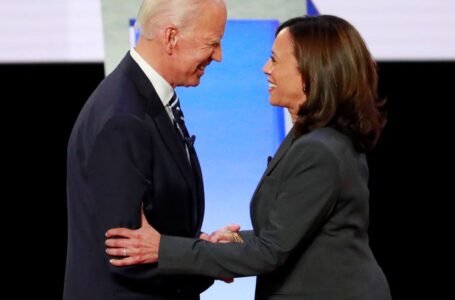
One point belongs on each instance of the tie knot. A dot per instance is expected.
(174, 103)
(174, 100)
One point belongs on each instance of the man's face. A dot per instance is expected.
(198, 46)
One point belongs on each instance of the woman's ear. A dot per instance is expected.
(170, 38)
(305, 86)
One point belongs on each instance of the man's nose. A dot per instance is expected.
(217, 54)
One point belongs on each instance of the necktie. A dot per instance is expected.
(180, 121)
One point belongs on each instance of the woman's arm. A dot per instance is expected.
(306, 193)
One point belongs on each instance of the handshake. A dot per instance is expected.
(127, 247)
(227, 234)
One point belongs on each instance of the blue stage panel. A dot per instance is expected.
(236, 130)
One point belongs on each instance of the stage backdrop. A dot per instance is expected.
(236, 129)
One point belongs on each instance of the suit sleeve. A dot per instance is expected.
(117, 174)
(305, 194)
(247, 234)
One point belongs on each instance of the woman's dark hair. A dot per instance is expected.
(340, 79)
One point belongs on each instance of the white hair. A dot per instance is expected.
(154, 14)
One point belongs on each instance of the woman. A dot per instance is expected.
(310, 210)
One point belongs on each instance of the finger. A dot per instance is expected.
(214, 238)
(117, 243)
(220, 236)
(233, 227)
(119, 232)
(127, 261)
(144, 221)
(120, 252)
(204, 236)
(217, 236)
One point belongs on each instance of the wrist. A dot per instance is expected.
(236, 238)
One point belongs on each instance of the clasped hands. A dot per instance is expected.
(141, 246)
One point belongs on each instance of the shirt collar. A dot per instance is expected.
(162, 87)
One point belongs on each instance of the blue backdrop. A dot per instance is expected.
(236, 129)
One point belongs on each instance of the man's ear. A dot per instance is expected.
(170, 38)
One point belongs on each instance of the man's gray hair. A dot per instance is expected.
(154, 14)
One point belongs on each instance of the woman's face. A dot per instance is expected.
(285, 81)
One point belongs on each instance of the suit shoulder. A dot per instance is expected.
(329, 139)
(323, 145)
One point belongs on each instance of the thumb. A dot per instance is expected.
(144, 222)
(233, 227)
(204, 236)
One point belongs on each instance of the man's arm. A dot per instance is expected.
(118, 178)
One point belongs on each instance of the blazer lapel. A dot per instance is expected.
(200, 205)
(175, 146)
(191, 173)
(284, 147)
(161, 119)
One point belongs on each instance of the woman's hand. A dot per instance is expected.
(226, 234)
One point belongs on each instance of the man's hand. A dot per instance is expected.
(131, 247)
(204, 236)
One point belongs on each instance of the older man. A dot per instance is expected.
(130, 150)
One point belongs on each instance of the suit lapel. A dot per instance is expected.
(199, 210)
(191, 173)
(284, 147)
(174, 145)
(156, 110)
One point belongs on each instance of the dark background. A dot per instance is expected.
(408, 192)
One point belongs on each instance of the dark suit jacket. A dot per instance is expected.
(124, 153)
(310, 217)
